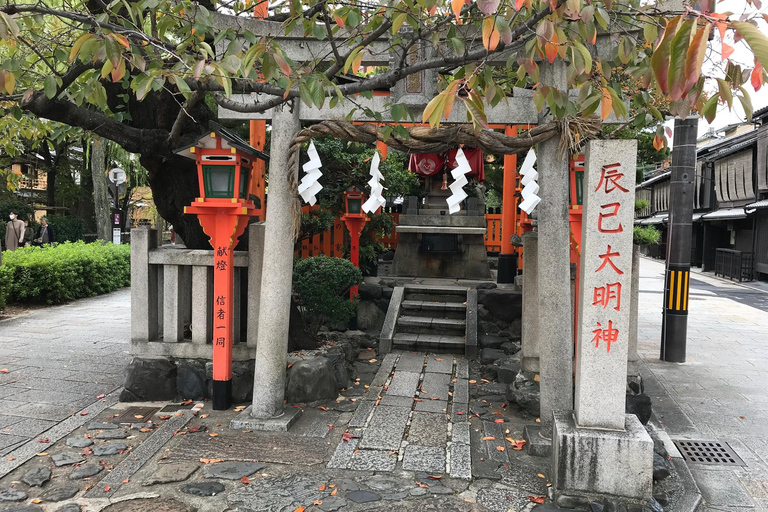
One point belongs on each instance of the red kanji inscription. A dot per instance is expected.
(609, 335)
(603, 295)
(601, 216)
(609, 178)
(607, 261)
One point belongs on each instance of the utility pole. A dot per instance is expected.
(674, 327)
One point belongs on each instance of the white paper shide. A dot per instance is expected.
(375, 201)
(530, 187)
(310, 183)
(459, 180)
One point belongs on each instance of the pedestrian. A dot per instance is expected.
(44, 234)
(14, 232)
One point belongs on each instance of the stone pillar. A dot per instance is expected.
(598, 449)
(202, 305)
(173, 301)
(276, 279)
(554, 269)
(530, 334)
(144, 307)
(255, 265)
(633, 358)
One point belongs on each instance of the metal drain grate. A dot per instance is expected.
(708, 452)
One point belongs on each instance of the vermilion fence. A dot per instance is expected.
(331, 242)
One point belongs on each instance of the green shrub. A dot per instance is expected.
(68, 271)
(5, 285)
(646, 235)
(322, 284)
(67, 229)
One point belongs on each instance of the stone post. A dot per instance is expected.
(633, 358)
(598, 449)
(274, 311)
(554, 269)
(144, 306)
(255, 266)
(530, 334)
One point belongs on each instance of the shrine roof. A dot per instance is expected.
(229, 137)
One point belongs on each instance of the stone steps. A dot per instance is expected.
(441, 343)
(431, 325)
(456, 310)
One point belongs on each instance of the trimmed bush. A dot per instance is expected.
(322, 284)
(5, 285)
(646, 235)
(67, 229)
(68, 271)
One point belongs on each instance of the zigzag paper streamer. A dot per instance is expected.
(530, 187)
(310, 184)
(375, 201)
(459, 180)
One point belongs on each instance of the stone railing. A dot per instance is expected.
(172, 298)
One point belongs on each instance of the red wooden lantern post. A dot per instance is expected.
(355, 219)
(224, 167)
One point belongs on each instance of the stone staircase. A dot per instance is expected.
(431, 318)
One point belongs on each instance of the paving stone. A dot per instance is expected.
(109, 449)
(361, 414)
(439, 489)
(439, 364)
(363, 496)
(495, 430)
(28, 427)
(459, 412)
(203, 488)
(112, 434)
(461, 461)
(428, 429)
(384, 370)
(435, 385)
(386, 483)
(150, 505)
(373, 460)
(69, 507)
(417, 491)
(386, 428)
(12, 495)
(462, 369)
(86, 471)
(410, 362)
(332, 503)
(22, 508)
(95, 425)
(60, 493)
(79, 442)
(439, 406)
(397, 401)
(172, 472)
(66, 458)
(460, 433)
(232, 470)
(424, 458)
(343, 454)
(461, 391)
(403, 383)
(396, 497)
(37, 477)
(348, 485)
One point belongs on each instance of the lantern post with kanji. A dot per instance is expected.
(224, 166)
(355, 219)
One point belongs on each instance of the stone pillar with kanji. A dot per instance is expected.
(598, 428)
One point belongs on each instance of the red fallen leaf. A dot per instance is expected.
(84, 413)
(87, 451)
(297, 407)
(317, 502)
(126, 480)
(186, 402)
(43, 440)
(107, 488)
(10, 458)
(101, 395)
(519, 445)
(164, 417)
(497, 413)
(300, 509)
(330, 427)
(245, 480)
(486, 381)
(460, 413)
(536, 499)
(489, 438)
(499, 420)
(333, 492)
(435, 477)
(195, 429)
(321, 488)
(5, 370)
(500, 448)
(423, 486)
(322, 408)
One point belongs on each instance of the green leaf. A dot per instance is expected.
(756, 40)
(79, 44)
(661, 55)
(746, 103)
(8, 27)
(709, 110)
(398, 21)
(677, 55)
(725, 92)
(650, 33)
(50, 86)
(695, 58)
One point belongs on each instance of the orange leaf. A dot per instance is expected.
(541, 476)
(300, 509)
(5, 370)
(536, 499)
(245, 480)
(489, 438)
(339, 21)
(322, 408)
(491, 36)
(333, 492)
(756, 79)
(317, 502)
(456, 6)
(519, 445)
(126, 480)
(658, 143)
(519, 4)
(321, 488)
(498, 420)
(435, 477)
(101, 396)
(214, 435)
(727, 51)
(500, 448)
(37, 500)
(164, 417)
(605, 107)
(84, 413)
(107, 488)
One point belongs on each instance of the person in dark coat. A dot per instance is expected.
(44, 234)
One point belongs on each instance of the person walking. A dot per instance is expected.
(14, 232)
(44, 234)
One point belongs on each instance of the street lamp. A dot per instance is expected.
(224, 166)
(355, 219)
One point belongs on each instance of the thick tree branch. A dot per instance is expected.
(184, 113)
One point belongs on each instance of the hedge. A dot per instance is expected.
(65, 272)
(322, 284)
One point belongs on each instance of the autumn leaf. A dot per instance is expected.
(333, 492)
(300, 509)
(43, 440)
(695, 58)
(37, 500)
(491, 35)
(101, 396)
(321, 488)
(489, 438)
(84, 413)
(195, 429)
(499, 420)
(107, 488)
(239, 408)
(607, 103)
(435, 477)
(500, 448)
(164, 417)
(756, 78)
(661, 54)
(245, 480)
(5, 370)
(678, 51)
(541, 476)
(519, 445)
(213, 435)
(186, 402)
(756, 40)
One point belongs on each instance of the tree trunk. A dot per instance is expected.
(100, 194)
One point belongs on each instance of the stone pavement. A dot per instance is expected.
(58, 361)
(720, 392)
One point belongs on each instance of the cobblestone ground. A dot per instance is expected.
(719, 393)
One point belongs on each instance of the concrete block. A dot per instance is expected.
(255, 266)
(202, 305)
(530, 317)
(592, 462)
(390, 322)
(144, 307)
(282, 423)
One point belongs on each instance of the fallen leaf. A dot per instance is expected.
(742, 417)
(317, 502)
(459, 412)
(186, 402)
(541, 476)
(322, 408)
(519, 445)
(204, 415)
(84, 413)
(164, 417)
(439, 359)
(214, 435)
(145, 430)
(138, 416)
(435, 477)
(211, 461)
(239, 408)
(423, 486)
(333, 492)
(497, 413)
(418, 400)
(536, 378)
(10, 458)
(485, 381)
(330, 427)
(195, 429)
(372, 360)
(499, 420)
(500, 448)
(538, 420)
(42, 454)
(245, 480)
(321, 488)
(126, 480)
(5, 370)
(489, 438)
(101, 396)
(536, 499)
(473, 382)
(43, 440)
(37, 500)
(107, 488)
(218, 424)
